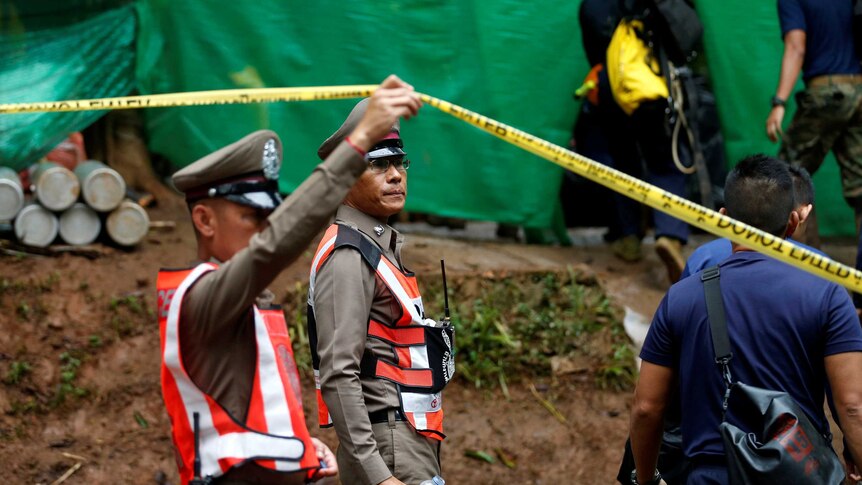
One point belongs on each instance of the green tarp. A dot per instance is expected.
(506, 59)
(59, 50)
(514, 61)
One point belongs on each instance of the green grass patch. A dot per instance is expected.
(17, 371)
(68, 386)
(24, 295)
(509, 326)
(129, 315)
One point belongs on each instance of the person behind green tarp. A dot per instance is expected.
(818, 40)
(636, 144)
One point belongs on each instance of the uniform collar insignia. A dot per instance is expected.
(378, 229)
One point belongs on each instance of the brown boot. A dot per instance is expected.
(627, 248)
(670, 252)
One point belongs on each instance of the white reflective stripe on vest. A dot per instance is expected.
(419, 404)
(193, 400)
(272, 391)
(415, 402)
(313, 275)
(238, 444)
(392, 282)
(212, 445)
(419, 357)
(419, 420)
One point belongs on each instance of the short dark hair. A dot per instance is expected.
(803, 187)
(759, 192)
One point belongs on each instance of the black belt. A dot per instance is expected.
(382, 416)
(832, 79)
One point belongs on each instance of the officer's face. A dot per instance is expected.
(228, 227)
(379, 195)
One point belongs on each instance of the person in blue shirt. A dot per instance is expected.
(818, 41)
(790, 331)
(857, 298)
(716, 251)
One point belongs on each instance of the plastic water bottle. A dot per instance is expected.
(437, 480)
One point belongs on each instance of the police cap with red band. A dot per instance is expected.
(389, 146)
(244, 172)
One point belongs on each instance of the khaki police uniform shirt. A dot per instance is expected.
(347, 291)
(217, 338)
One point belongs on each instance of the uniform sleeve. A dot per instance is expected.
(343, 294)
(842, 329)
(790, 16)
(658, 346)
(221, 297)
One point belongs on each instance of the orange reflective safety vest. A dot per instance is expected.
(273, 435)
(422, 360)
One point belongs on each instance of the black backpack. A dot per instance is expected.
(683, 29)
(678, 28)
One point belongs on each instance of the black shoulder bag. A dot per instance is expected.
(782, 445)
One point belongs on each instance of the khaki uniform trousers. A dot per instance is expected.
(410, 456)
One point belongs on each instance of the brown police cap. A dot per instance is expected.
(245, 172)
(392, 141)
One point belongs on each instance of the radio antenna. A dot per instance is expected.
(445, 292)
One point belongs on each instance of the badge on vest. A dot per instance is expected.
(448, 359)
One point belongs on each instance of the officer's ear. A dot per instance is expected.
(203, 218)
(804, 211)
(792, 224)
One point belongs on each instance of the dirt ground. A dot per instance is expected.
(79, 364)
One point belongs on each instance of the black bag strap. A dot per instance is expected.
(350, 237)
(718, 326)
(715, 313)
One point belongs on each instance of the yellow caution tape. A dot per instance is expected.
(199, 98)
(694, 214)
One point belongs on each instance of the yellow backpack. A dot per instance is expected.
(633, 70)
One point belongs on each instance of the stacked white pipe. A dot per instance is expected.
(76, 205)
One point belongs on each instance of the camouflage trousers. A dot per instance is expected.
(828, 117)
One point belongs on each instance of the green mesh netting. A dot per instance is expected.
(59, 50)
